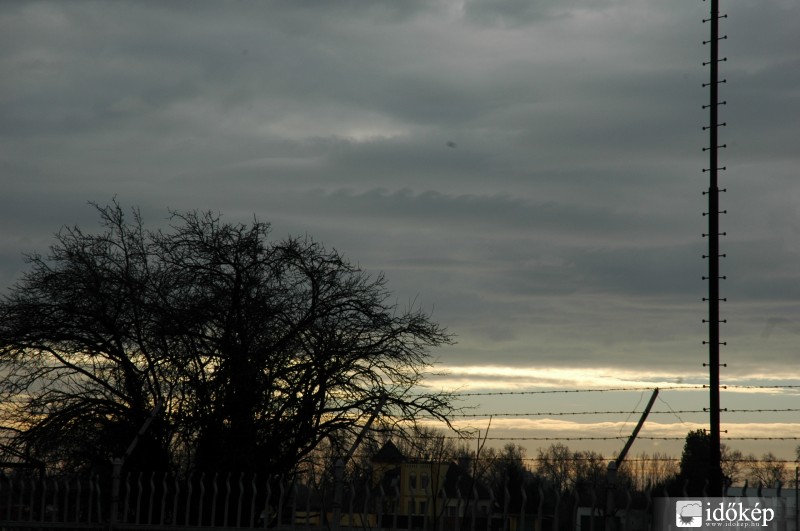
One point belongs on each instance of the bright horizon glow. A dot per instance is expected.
(576, 414)
(493, 377)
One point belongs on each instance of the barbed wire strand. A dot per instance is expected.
(608, 438)
(620, 389)
(598, 457)
(595, 390)
(615, 412)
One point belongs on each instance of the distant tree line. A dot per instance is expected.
(560, 469)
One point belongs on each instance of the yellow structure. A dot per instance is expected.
(423, 487)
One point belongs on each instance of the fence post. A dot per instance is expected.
(506, 502)
(115, 481)
(365, 512)
(611, 497)
(539, 511)
(557, 509)
(338, 485)
(628, 501)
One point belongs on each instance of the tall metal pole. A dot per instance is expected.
(715, 479)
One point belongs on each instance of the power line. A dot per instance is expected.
(672, 410)
(641, 396)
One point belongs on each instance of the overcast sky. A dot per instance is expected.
(528, 170)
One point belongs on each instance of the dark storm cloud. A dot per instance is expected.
(496, 217)
(516, 13)
(530, 169)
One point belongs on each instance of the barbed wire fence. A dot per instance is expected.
(733, 458)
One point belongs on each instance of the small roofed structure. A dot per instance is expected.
(426, 487)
